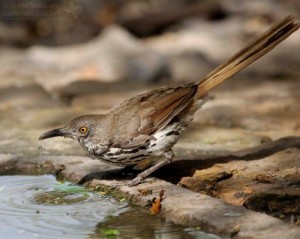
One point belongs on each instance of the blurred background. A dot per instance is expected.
(59, 42)
(63, 58)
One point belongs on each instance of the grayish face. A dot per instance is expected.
(79, 128)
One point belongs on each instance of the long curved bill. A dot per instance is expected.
(61, 132)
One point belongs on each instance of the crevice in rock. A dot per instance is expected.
(178, 169)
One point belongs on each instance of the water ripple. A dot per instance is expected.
(40, 207)
(20, 212)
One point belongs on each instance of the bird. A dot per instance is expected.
(151, 123)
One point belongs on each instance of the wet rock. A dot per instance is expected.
(241, 182)
(196, 210)
(73, 168)
(280, 205)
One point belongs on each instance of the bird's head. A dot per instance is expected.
(81, 127)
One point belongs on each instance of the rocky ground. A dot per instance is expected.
(238, 161)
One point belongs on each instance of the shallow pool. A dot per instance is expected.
(41, 207)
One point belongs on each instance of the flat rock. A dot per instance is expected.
(192, 209)
(196, 210)
(238, 181)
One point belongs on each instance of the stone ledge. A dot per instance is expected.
(180, 205)
(210, 214)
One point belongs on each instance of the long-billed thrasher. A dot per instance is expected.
(150, 124)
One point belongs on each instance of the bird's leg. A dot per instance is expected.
(169, 155)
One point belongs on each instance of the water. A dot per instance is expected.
(40, 207)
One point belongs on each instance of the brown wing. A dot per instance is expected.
(144, 114)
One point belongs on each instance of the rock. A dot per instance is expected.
(199, 139)
(210, 214)
(25, 97)
(261, 106)
(104, 58)
(260, 8)
(148, 67)
(188, 66)
(13, 33)
(249, 182)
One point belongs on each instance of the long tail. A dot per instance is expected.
(249, 54)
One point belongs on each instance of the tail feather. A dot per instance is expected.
(249, 54)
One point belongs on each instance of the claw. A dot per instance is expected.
(137, 180)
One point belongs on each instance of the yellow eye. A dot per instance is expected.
(83, 130)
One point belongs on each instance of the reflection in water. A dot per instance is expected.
(41, 207)
(33, 206)
(137, 224)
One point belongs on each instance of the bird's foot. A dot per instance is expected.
(141, 176)
(137, 180)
